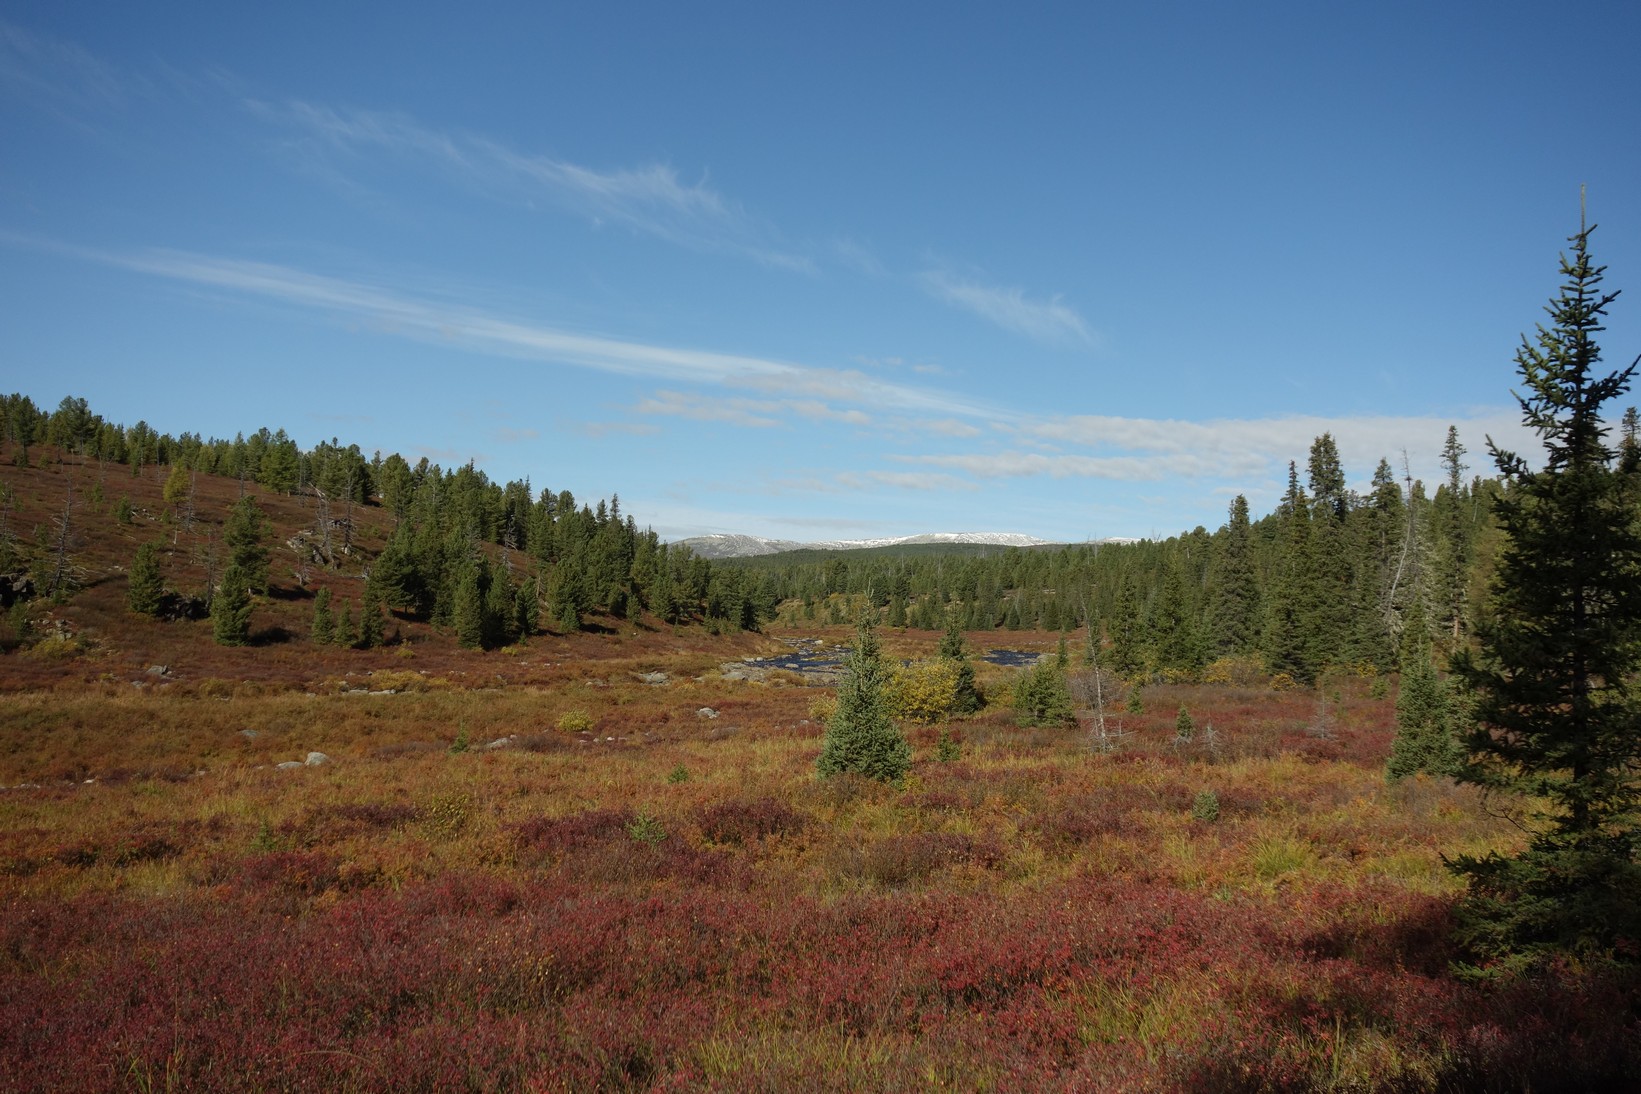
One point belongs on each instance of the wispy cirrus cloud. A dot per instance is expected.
(1248, 451)
(649, 199)
(815, 392)
(907, 480)
(747, 413)
(597, 430)
(807, 391)
(1048, 321)
(939, 427)
(752, 413)
(1362, 439)
(996, 465)
(507, 435)
(58, 74)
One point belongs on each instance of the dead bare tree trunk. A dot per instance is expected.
(347, 519)
(210, 567)
(1392, 620)
(60, 570)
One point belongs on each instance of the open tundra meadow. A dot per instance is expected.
(858, 547)
(602, 859)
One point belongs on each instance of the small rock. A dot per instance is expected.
(248, 734)
(706, 712)
(288, 764)
(655, 679)
(316, 758)
(158, 670)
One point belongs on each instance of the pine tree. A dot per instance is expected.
(1176, 644)
(1127, 632)
(1325, 595)
(370, 619)
(1286, 630)
(1424, 738)
(468, 612)
(231, 608)
(176, 485)
(500, 610)
(1455, 534)
(279, 467)
(395, 575)
(324, 623)
(1553, 680)
(966, 695)
(860, 736)
(527, 608)
(897, 612)
(245, 532)
(346, 634)
(1042, 697)
(1383, 567)
(145, 589)
(1184, 728)
(1234, 608)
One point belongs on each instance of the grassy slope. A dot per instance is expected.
(406, 917)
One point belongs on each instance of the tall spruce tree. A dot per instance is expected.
(346, 635)
(469, 607)
(145, 589)
(1233, 612)
(1456, 532)
(231, 608)
(245, 532)
(1128, 645)
(1424, 739)
(1325, 595)
(1286, 630)
(1557, 717)
(370, 619)
(861, 736)
(966, 695)
(323, 629)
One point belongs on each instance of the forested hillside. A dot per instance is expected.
(1332, 577)
(492, 562)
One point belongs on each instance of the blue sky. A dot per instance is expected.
(1070, 270)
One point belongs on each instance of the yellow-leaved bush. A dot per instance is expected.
(923, 691)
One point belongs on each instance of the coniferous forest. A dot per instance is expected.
(321, 770)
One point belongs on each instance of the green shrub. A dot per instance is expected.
(1042, 697)
(575, 721)
(645, 828)
(1205, 807)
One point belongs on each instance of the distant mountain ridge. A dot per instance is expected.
(739, 546)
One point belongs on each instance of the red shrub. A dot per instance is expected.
(737, 822)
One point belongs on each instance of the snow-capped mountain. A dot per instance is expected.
(738, 546)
